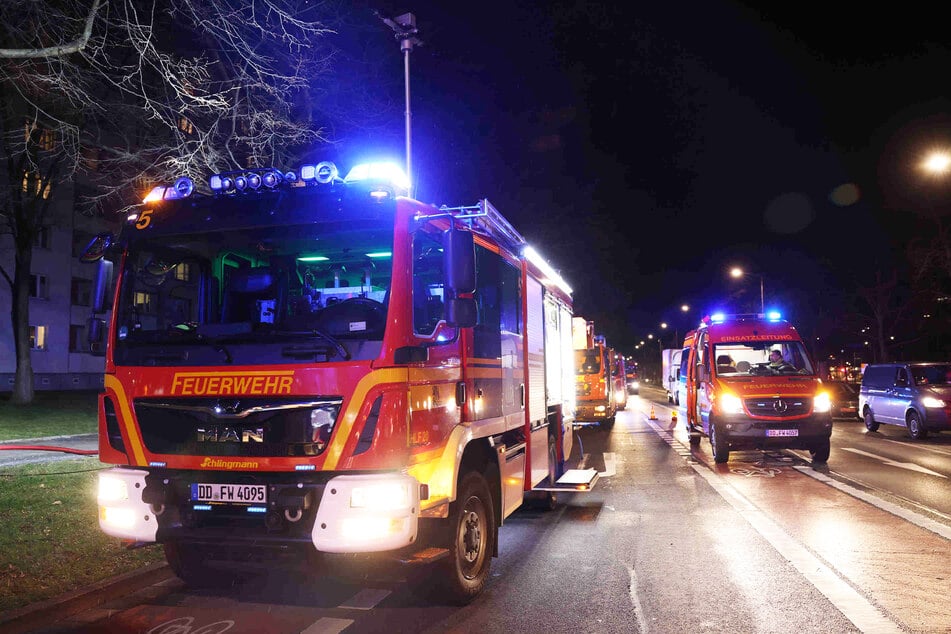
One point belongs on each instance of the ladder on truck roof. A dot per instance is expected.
(485, 219)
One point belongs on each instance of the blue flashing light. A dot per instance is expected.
(773, 315)
(183, 186)
(271, 178)
(305, 467)
(717, 318)
(201, 507)
(157, 464)
(240, 183)
(382, 173)
(257, 509)
(254, 180)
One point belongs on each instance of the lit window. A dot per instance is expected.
(144, 302)
(33, 184)
(44, 138)
(39, 287)
(38, 337)
(185, 125)
(183, 272)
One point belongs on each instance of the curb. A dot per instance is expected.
(45, 613)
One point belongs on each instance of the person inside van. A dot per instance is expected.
(777, 363)
(725, 364)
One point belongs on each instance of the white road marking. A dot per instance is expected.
(844, 597)
(327, 625)
(610, 460)
(642, 624)
(366, 599)
(911, 466)
(909, 516)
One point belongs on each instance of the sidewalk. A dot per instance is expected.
(11, 457)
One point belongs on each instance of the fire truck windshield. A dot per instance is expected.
(588, 361)
(295, 293)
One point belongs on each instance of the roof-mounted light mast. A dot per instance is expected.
(404, 26)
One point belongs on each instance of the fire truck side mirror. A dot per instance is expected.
(101, 285)
(95, 328)
(459, 265)
(461, 312)
(702, 373)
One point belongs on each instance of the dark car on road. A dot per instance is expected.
(844, 397)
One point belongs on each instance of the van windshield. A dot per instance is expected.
(932, 374)
(762, 358)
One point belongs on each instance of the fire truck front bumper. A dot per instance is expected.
(362, 513)
(591, 412)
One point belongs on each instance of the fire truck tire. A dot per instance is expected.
(472, 531)
(187, 561)
(820, 452)
(608, 423)
(721, 451)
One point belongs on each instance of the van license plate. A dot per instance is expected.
(229, 493)
(782, 432)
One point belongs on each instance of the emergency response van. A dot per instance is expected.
(751, 384)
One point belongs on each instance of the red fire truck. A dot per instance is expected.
(620, 380)
(594, 381)
(751, 384)
(306, 367)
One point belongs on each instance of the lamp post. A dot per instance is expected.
(404, 26)
(738, 272)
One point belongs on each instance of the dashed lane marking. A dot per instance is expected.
(327, 625)
(366, 599)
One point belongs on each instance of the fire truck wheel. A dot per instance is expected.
(472, 530)
(608, 423)
(820, 452)
(187, 561)
(721, 452)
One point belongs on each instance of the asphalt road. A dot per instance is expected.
(666, 542)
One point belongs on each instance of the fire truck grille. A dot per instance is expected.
(779, 407)
(254, 427)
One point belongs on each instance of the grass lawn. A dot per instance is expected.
(50, 414)
(50, 540)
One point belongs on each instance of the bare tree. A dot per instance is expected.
(124, 92)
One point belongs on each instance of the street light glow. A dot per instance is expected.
(738, 272)
(937, 162)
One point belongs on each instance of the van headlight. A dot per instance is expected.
(821, 403)
(731, 404)
(930, 401)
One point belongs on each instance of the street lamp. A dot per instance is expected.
(404, 26)
(738, 272)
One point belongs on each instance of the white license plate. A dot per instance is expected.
(782, 432)
(229, 493)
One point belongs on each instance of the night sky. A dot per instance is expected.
(645, 148)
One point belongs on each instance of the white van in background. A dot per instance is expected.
(670, 373)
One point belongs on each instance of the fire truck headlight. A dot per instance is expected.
(821, 403)
(930, 401)
(731, 404)
(600, 408)
(366, 529)
(117, 517)
(112, 489)
(381, 496)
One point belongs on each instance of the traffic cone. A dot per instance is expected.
(652, 415)
(673, 418)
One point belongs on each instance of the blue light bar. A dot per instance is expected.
(201, 507)
(257, 509)
(717, 318)
(388, 173)
(773, 315)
